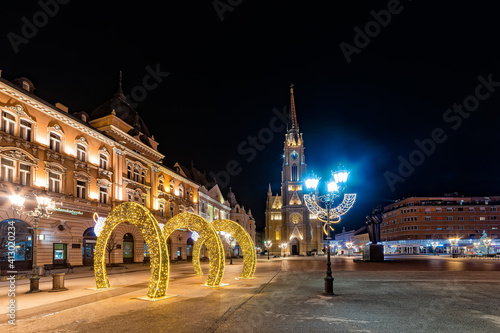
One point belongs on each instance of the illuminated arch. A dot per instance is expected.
(208, 233)
(241, 236)
(141, 217)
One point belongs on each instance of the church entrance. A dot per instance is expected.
(295, 249)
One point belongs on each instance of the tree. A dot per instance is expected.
(111, 246)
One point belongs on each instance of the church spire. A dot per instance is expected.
(120, 91)
(293, 115)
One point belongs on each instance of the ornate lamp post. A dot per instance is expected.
(45, 207)
(349, 247)
(331, 214)
(232, 244)
(268, 245)
(284, 246)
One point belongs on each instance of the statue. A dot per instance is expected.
(373, 222)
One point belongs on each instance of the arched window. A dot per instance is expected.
(161, 185)
(136, 175)
(181, 191)
(129, 172)
(103, 161)
(294, 173)
(143, 177)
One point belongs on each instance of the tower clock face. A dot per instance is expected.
(295, 218)
(294, 155)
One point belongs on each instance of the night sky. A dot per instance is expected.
(226, 77)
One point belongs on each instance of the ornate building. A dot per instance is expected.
(89, 163)
(287, 217)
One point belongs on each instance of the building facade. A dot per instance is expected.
(287, 217)
(411, 225)
(88, 163)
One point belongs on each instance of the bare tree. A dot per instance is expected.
(111, 246)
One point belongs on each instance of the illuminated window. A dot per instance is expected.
(7, 170)
(54, 182)
(26, 86)
(277, 235)
(103, 162)
(161, 185)
(8, 123)
(181, 191)
(162, 209)
(55, 142)
(81, 189)
(25, 130)
(81, 152)
(24, 174)
(103, 195)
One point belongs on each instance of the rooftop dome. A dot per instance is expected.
(125, 112)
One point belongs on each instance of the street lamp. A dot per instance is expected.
(453, 242)
(349, 247)
(284, 246)
(268, 245)
(434, 245)
(232, 243)
(45, 207)
(331, 214)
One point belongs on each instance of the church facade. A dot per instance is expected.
(289, 226)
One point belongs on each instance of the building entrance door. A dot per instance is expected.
(89, 241)
(128, 248)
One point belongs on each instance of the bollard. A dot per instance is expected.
(58, 282)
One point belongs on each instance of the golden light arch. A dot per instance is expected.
(242, 237)
(206, 231)
(142, 218)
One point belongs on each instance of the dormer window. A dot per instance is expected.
(26, 86)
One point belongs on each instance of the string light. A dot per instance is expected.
(242, 237)
(142, 218)
(206, 232)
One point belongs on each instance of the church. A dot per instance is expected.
(287, 218)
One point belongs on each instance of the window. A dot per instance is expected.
(54, 182)
(449, 209)
(161, 185)
(438, 209)
(460, 218)
(103, 195)
(172, 188)
(294, 173)
(143, 177)
(81, 152)
(8, 123)
(493, 209)
(55, 142)
(450, 218)
(25, 130)
(136, 175)
(482, 218)
(181, 191)
(171, 211)
(7, 170)
(129, 172)
(81, 189)
(103, 162)
(26, 86)
(471, 209)
(439, 218)
(24, 174)
(427, 218)
(277, 235)
(493, 218)
(162, 209)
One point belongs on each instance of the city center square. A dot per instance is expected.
(411, 294)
